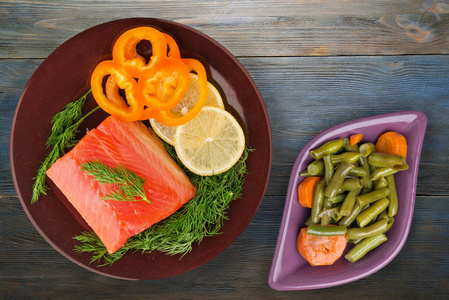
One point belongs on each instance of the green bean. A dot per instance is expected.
(349, 157)
(366, 216)
(308, 221)
(326, 205)
(336, 216)
(336, 181)
(366, 182)
(315, 167)
(333, 213)
(393, 197)
(326, 230)
(373, 196)
(348, 147)
(361, 233)
(355, 242)
(368, 244)
(317, 202)
(351, 184)
(347, 220)
(328, 168)
(382, 172)
(305, 173)
(390, 222)
(380, 183)
(329, 147)
(358, 172)
(386, 160)
(337, 199)
(348, 203)
(366, 149)
(383, 215)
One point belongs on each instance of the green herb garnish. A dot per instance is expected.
(130, 185)
(201, 217)
(65, 126)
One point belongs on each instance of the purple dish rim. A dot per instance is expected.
(289, 271)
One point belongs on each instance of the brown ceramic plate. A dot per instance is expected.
(64, 76)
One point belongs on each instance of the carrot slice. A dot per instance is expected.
(392, 142)
(355, 138)
(320, 250)
(306, 189)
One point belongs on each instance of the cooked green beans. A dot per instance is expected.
(366, 149)
(316, 167)
(326, 219)
(327, 148)
(371, 212)
(348, 147)
(337, 199)
(357, 194)
(380, 183)
(336, 181)
(348, 220)
(374, 229)
(351, 184)
(305, 173)
(358, 172)
(326, 230)
(393, 197)
(386, 160)
(333, 213)
(366, 182)
(349, 157)
(328, 168)
(348, 203)
(317, 203)
(373, 196)
(362, 248)
(382, 172)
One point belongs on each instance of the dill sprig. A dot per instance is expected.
(199, 218)
(65, 126)
(130, 185)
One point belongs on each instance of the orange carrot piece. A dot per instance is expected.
(392, 142)
(306, 189)
(355, 138)
(320, 250)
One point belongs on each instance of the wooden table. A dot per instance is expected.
(317, 64)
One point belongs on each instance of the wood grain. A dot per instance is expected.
(246, 28)
(31, 267)
(305, 96)
(317, 63)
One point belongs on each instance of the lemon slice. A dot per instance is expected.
(211, 143)
(213, 99)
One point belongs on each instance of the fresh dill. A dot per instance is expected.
(201, 217)
(130, 185)
(65, 126)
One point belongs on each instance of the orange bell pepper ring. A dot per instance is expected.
(152, 88)
(163, 86)
(129, 110)
(166, 117)
(172, 46)
(125, 52)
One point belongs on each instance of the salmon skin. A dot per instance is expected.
(134, 146)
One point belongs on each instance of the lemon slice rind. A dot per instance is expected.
(211, 143)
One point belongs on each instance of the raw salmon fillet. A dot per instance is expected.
(137, 148)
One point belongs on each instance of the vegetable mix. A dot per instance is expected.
(351, 191)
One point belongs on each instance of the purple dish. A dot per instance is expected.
(289, 271)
